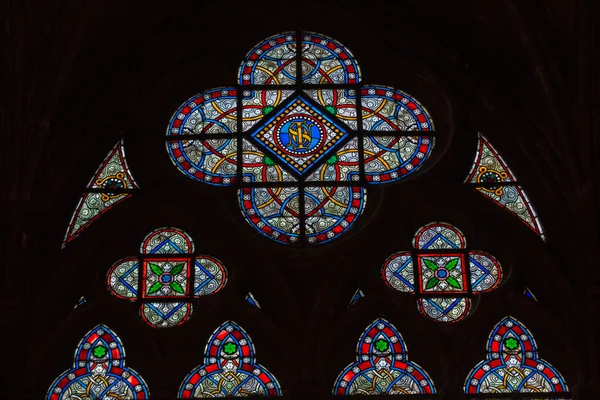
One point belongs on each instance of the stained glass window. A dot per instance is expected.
(492, 177)
(250, 299)
(301, 137)
(382, 366)
(165, 277)
(99, 371)
(356, 297)
(442, 272)
(527, 292)
(229, 369)
(513, 365)
(111, 184)
(82, 300)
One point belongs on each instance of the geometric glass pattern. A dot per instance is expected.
(99, 371)
(513, 365)
(356, 297)
(442, 272)
(492, 177)
(111, 184)
(229, 369)
(300, 137)
(170, 278)
(250, 299)
(382, 366)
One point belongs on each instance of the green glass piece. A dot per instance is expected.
(432, 282)
(452, 264)
(511, 343)
(230, 348)
(268, 161)
(430, 264)
(177, 287)
(453, 282)
(100, 351)
(331, 109)
(156, 269)
(177, 269)
(332, 160)
(267, 110)
(155, 288)
(381, 345)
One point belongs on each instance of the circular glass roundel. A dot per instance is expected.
(300, 135)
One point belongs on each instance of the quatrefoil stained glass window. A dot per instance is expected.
(442, 272)
(166, 277)
(300, 137)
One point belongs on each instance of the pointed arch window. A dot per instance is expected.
(513, 365)
(99, 371)
(229, 369)
(382, 366)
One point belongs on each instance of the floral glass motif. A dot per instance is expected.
(229, 369)
(513, 365)
(492, 177)
(442, 272)
(170, 277)
(111, 184)
(99, 371)
(382, 366)
(301, 153)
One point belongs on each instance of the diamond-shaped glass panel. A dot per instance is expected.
(300, 135)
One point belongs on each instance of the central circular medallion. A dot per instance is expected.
(441, 273)
(300, 135)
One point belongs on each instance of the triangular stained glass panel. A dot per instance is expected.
(82, 300)
(493, 174)
(114, 172)
(114, 176)
(250, 299)
(489, 167)
(527, 292)
(356, 297)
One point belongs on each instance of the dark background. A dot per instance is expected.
(79, 75)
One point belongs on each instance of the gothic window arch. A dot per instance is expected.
(370, 135)
(513, 365)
